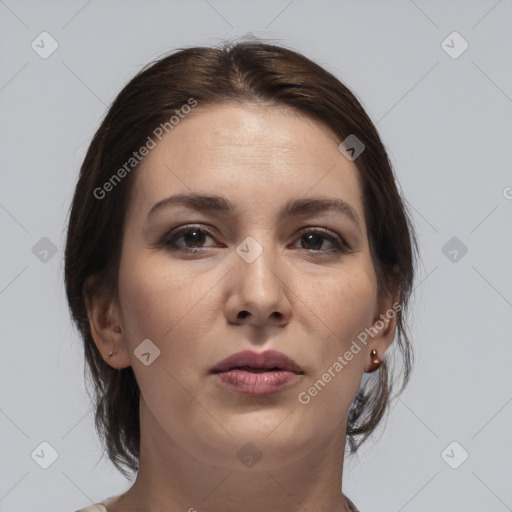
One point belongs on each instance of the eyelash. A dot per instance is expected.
(340, 246)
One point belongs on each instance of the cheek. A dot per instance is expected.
(162, 303)
(148, 303)
(345, 305)
(356, 305)
(155, 298)
(345, 301)
(170, 305)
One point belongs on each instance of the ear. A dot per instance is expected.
(107, 330)
(383, 325)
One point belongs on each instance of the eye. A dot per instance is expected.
(315, 238)
(191, 239)
(190, 235)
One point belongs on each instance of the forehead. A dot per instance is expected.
(257, 156)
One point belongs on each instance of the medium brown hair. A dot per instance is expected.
(243, 72)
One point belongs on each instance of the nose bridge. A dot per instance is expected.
(257, 257)
(260, 286)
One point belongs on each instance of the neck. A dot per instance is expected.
(171, 479)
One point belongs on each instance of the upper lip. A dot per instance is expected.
(266, 360)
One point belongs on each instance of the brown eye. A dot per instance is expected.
(313, 240)
(192, 237)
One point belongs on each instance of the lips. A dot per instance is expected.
(258, 362)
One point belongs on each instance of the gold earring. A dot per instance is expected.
(375, 361)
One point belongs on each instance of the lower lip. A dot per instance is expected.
(263, 383)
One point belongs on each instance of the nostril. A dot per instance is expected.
(243, 314)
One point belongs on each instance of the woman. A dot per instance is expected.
(238, 262)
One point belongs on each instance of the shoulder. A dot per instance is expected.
(97, 507)
(351, 506)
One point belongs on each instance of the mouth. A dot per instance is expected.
(252, 373)
(253, 370)
(254, 362)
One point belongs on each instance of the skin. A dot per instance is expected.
(300, 299)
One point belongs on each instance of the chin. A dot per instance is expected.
(258, 445)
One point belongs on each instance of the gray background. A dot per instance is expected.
(447, 123)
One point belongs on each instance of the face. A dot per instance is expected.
(205, 282)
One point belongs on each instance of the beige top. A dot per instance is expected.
(97, 507)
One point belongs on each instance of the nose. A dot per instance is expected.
(259, 293)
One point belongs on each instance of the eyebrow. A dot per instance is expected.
(294, 207)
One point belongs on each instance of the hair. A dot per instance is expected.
(240, 73)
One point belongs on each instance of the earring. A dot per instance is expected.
(375, 361)
(110, 353)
